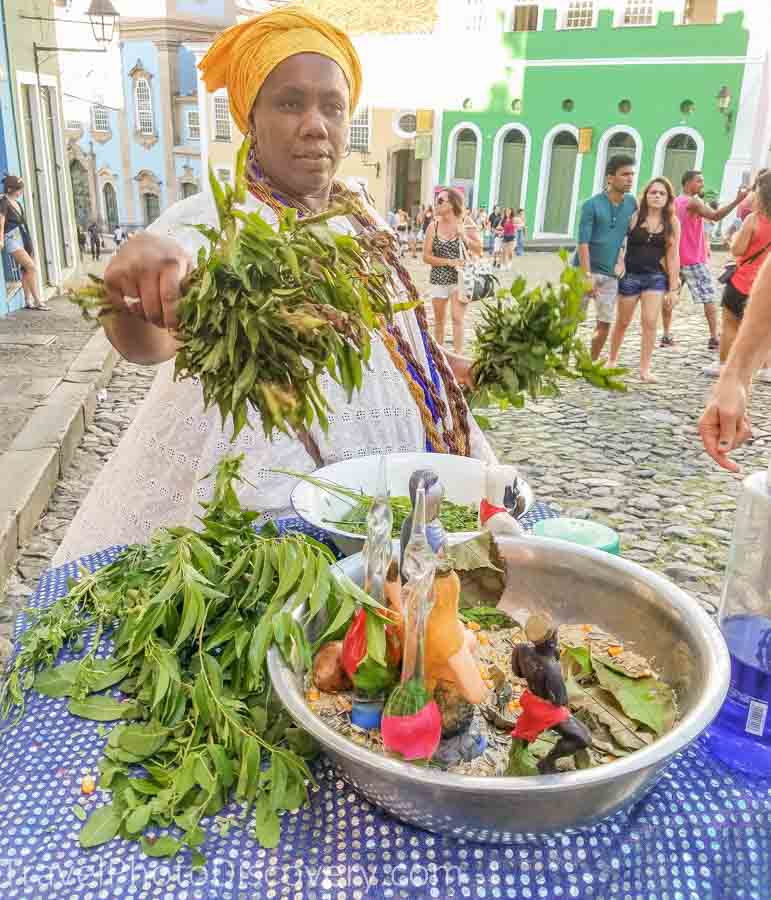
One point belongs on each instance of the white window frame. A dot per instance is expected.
(543, 183)
(144, 106)
(621, 12)
(566, 12)
(405, 135)
(452, 149)
(497, 163)
(97, 110)
(513, 6)
(602, 155)
(193, 131)
(73, 125)
(661, 149)
(475, 14)
(220, 102)
(360, 146)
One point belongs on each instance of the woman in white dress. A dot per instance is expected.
(293, 81)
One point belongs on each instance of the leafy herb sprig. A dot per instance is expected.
(265, 313)
(191, 616)
(527, 340)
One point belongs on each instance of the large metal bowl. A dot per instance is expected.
(576, 584)
(462, 477)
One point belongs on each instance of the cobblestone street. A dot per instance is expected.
(633, 461)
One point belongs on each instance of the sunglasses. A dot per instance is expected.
(441, 200)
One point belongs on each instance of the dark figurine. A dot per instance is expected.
(545, 702)
(435, 533)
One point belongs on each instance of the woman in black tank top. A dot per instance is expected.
(651, 270)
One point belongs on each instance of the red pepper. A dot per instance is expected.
(355, 643)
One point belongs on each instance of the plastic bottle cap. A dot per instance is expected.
(580, 531)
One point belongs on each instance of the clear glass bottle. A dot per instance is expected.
(740, 736)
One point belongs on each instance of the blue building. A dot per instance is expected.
(134, 152)
(10, 287)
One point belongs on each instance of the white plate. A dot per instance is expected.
(462, 477)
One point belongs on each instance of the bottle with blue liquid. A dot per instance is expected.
(740, 736)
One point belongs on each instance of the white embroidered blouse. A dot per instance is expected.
(154, 476)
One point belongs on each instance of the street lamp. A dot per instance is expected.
(723, 102)
(102, 15)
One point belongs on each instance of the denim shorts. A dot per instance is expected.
(633, 284)
(14, 241)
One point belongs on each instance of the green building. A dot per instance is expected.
(566, 93)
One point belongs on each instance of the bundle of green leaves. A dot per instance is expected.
(266, 312)
(191, 616)
(527, 340)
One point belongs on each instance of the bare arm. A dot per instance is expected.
(742, 239)
(698, 207)
(2, 229)
(724, 424)
(472, 238)
(673, 256)
(754, 337)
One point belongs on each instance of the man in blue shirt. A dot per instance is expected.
(601, 233)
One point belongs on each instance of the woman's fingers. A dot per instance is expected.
(144, 276)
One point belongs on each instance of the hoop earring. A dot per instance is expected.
(347, 151)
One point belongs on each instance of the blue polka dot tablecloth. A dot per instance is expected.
(702, 833)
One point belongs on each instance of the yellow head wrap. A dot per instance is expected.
(243, 56)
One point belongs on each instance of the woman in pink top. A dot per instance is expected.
(509, 233)
(751, 246)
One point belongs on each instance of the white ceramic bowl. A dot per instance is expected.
(462, 477)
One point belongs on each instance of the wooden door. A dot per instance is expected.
(559, 195)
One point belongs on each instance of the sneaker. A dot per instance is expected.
(764, 375)
(713, 371)
(713, 344)
(667, 340)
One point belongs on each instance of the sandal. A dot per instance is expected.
(43, 307)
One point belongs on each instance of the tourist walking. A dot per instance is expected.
(750, 247)
(487, 233)
(509, 236)
(95, 240)
(691, 210)
(118, 236)
(442, 251)
(16, 240)
(602, 229)
(725, 423)
(521, 232)
(81, 241)
(495, 217)
(651, 269)
(402, 230)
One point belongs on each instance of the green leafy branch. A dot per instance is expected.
(192, 616)
(527, 341)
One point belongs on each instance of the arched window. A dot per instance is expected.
(188, 189)
(560, 193)
(616, 143)
(110, 206)
(679, 156)
(143, 100)
(512, 169)
(152, 207)
(465, 155)
(80, 193)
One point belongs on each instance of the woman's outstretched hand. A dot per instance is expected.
(725, 425)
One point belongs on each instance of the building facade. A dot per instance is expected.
(675, 85)
(32, 144)
(135, 151)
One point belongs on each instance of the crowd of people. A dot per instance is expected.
(645, 253)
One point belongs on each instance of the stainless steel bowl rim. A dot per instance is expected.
(686, 730)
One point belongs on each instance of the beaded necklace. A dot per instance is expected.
(423, 386)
